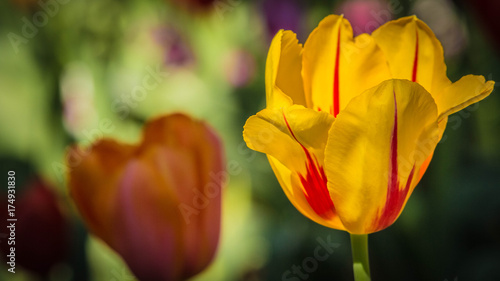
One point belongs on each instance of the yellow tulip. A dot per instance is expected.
(351, 124)
(158, 203)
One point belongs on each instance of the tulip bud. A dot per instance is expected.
(39, 234)
(155, 203)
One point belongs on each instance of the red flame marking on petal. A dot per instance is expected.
(395, 196)
(314, 183)
(415, 61)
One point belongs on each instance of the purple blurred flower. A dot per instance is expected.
(281, 14)
(177, 50)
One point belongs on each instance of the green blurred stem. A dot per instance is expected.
(360, 260)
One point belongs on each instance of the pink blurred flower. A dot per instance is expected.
(442, 18)
(365, 15)
(239, 67)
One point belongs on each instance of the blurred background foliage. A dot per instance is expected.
(72, 71)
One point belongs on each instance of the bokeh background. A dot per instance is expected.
(67, 65)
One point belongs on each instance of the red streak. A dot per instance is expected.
(336, 105)
(314, 183)
(395, 196)
(415, 61)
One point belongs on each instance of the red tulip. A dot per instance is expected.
(157, 203)
(40, 232)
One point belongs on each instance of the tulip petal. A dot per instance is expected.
(294, 139)
(92, 182)
(190, 147)
(375, 146)
(292, 186)
(283, 71)
(466, 91)
(337, 67)
(148, 222)
(269, 132)
(413, 52)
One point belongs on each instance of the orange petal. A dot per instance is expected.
(93, 179)
(192, 163)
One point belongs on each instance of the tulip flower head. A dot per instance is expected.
(42, 230)
(130, 196)
(351, 124)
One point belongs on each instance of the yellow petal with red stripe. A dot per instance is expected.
(413, 52)
(294, 139)
(337, 67)
(375, 147)
(292, 186)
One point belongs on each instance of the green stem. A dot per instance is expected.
(360, 260)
